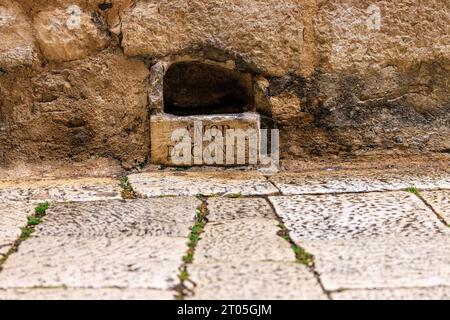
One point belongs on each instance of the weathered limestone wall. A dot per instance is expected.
(338, 77)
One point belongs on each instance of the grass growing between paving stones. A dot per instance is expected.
(32, 221)
(194, 238)
(416, 192)
(413, 190)
(127, 190)
(301, 255)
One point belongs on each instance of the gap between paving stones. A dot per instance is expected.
(32, 221)
(183, 288)
(441, 218)
(301, 255)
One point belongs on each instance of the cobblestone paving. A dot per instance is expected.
(369, 238)
(208, 184)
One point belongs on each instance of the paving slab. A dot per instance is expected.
(440, 202)
(205, 183)
(223, 209)
(154, 217)
(124, 262)
(242, 240)
(13, 217)
(388, 262)
(349, 216)
(86, 189)
(360, 181)
(85, 294)
(254, 281)
(433, 293)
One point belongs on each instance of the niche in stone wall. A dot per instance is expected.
(195, 88)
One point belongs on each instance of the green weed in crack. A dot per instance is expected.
(301, 255)
(413, 190)
(127, 189)
(32, 221)
(194, 237)
(417, 193)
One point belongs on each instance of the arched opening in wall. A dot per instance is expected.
(195, 88)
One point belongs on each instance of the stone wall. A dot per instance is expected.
(338, 77)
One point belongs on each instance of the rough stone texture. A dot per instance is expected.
(163, 144)
(432, 293)
(140, 217)
(76, 111)
(16, 36)
(378, 88)
(69, 33)
(224, 209)
(350, 216)
(123, 262)
(440, 201)
(360, 181)
(85, 189)
(335, 83)
(285, 107)
(272, 36)
(254, 281)
(193, 183)
(86, 294)
(409, 32)
(242, 240)
(13, 217)
(387, 262)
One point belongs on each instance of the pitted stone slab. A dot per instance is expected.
(13, 217)
(388, 262)
(440, 201)
(360, 181)
(433, 293)
(221, 209)
(254, 280)
(86, 189)
(164, 125)
(242, 240)
(154, 217)
(205, 183)
(348, 216)
(125, 262)
(85, 294)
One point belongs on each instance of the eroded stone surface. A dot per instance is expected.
(440, 201)
(76, 111)
(274, 36)
(16, 36)
(124, 262)
(154, 217)
(366, 34)
(192, 183)
(363, 181)
(349, 216)
(13, 216)
(223, 209)
(254, 280)
(433, 293)
(387, 262)
(66, 34)
(87, 189)
(86, 294)
(242, 240)
(166, 151)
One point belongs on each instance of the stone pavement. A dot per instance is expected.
(369, 238)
